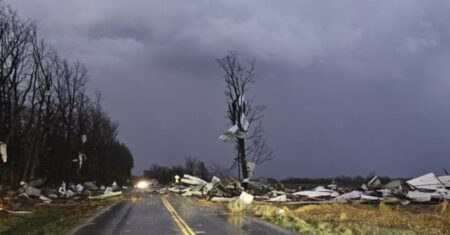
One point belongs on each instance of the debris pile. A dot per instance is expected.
(35, 193)
(428, 188)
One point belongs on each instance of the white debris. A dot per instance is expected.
(90, 185)
(332, 186)
(79, 188)
(64, 191)
(276, 192)
(444, 193)
(385, 192)
(426, 188)
(365, 197)
(241, 102)
(83, 139)
(445, 179)
(19, 212)
(215, 179)
(106, 195)
(250, 168)
(208, 187)
(229, 134)
(36, 183)
(418, 196)
(31, 191)
(45, 199)
(194, 191)
(192, 180)
(114, 185)
(178, 189)
(281, 198)
(235, 131)
(353, 195)
(81, 158)
(3, 151)
(319, 191)
(374, 183)
(245, 124)
(246, 198)
(70, 193)
(28, 190)
(222, 199)
(108, 190)
(428, 181)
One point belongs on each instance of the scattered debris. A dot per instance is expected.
(281, 198)
(3, 152)
(246, 198)
(424, 189)
(19, 212)
(319, 191)
(428, 181)
(45, 199)
(105, 195)
(80, 159)
(192, 180)
(236, 130)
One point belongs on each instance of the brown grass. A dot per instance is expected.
(359, 219)
(55, 218)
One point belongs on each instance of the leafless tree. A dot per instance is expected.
(221, 171)
(249, 143)
(45, 109)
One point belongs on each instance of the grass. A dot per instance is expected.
(52, 219)
(359, 219)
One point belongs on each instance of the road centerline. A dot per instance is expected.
(182, 225)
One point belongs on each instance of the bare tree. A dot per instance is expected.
(45, 110)
(243, 114)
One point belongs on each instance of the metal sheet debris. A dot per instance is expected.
(230, 133)
(3, 152)
(192, 180)
(281, 198)
(423, 189)
(428, 181)
(106, 195)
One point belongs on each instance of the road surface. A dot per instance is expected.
(157, 214)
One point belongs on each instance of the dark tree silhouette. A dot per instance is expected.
(45, 111)
(243, 113)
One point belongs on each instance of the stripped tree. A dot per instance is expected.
(244, 115)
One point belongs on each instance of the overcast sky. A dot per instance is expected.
(351, 86)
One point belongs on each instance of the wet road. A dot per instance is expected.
(172, 215)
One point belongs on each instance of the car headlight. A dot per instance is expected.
(143, 184)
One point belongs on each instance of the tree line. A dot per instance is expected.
(52, 127)
(192, 166)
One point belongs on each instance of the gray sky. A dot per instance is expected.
(351, 86)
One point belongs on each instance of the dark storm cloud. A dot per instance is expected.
(352, 86)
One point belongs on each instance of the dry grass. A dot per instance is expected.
(49, 219)
(237, 207)
(359, 219)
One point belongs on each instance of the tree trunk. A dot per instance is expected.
(242, 158)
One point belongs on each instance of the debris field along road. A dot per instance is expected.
(156, 214)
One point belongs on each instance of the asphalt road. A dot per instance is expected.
(172, 215)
